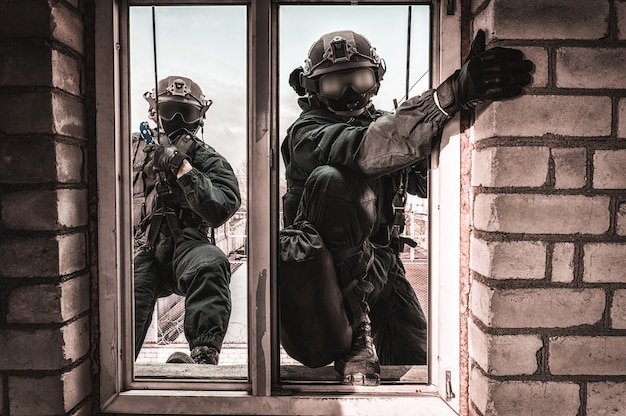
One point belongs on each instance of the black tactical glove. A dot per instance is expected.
(168, 158)
(488, 75)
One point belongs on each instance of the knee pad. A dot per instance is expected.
(340, 204)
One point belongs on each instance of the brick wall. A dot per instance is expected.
(548, 297)
(44, 276)
(548, 242)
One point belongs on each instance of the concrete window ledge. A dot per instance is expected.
(390, 373)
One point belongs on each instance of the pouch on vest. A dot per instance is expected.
(314, 328)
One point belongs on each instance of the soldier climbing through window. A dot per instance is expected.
(182, 189)
(344, 297)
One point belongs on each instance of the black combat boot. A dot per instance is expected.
(205, 355)
(179, 357)
(360, 366)
(199, 355)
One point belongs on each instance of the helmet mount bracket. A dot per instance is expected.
(178, 87)
(339, 50)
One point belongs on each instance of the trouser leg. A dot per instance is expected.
(403, 337)
(399, 326)
(203, 274)
(147, 285)
(342, 207)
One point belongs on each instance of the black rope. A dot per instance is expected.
(408, 52)
(156, 79)
(408, 88)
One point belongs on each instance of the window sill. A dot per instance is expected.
(233, 403)
(299, 373)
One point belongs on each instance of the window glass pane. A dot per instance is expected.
(389, 29)
(199, 288)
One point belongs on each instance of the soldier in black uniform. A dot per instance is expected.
(182, 188)
(349, 167)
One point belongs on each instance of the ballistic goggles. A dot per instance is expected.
(189, 113)
(333, 85)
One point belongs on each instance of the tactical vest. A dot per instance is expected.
(151, 196)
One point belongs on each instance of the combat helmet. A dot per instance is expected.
(179, 105)
(344, 71)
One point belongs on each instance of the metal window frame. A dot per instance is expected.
(119, 393)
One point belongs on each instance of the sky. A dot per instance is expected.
(208, 45)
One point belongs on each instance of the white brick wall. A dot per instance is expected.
(516, 398)
(606, 398)
(536, 308)
(539, 115)
(618, 309)
(548, 251)
(605, 262)
(542, 214)
(570, 168)
(609, 172)
(579, 355)
(563, 262)
(500, 355)
(508, 259)
(510, 166)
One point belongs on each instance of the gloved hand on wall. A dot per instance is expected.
(169, 158)
(487, 75)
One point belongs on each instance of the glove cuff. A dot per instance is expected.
(446, 96)
(177, 161)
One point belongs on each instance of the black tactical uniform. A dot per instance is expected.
(350, 185)
(174, 251)
(349, 168)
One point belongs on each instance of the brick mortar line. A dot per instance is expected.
(41, 186)
(27, 235)
(553, 141)
(43, 138)
(558, 43)
(15, 282)
(46, 373)
(6, 91)
(27, 327)
(580, 380)
(573, 92)
(546, 191)
(543, 283)
(590, 331)
(491, 236)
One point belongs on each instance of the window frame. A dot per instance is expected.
(262, 393)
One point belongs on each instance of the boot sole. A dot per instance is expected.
(179, 358)
(361, 379)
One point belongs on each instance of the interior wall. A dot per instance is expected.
(45, 279)
(548, 295)
(548, 254)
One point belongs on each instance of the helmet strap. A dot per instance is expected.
(343, 113)
(308, 83)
